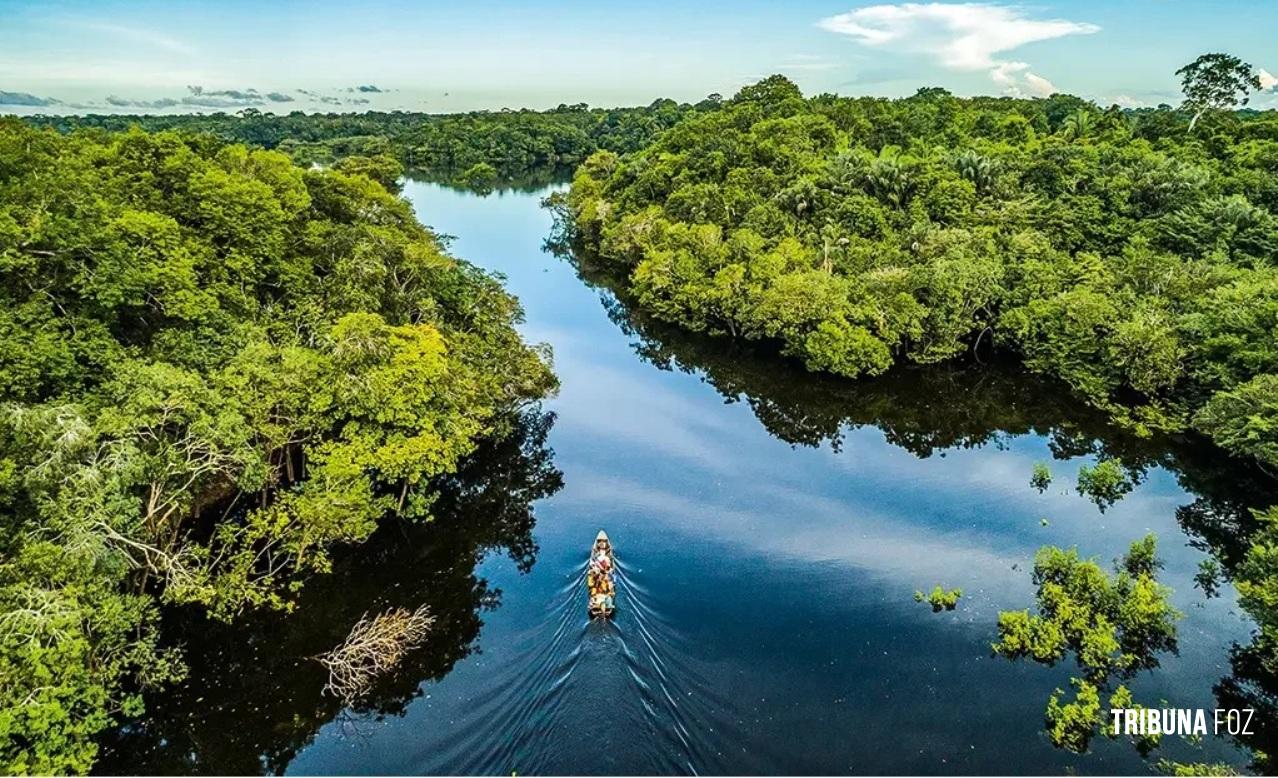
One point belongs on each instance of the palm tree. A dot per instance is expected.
(891, 176)
(1078, 124)
(976, 168)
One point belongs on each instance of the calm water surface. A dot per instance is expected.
(771, 528)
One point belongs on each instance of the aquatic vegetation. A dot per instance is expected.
(1112, 624)
(1168, 767)
(373, 648)
(1070, 724)
(1041, 478)
(940, 599)
(1105, 483)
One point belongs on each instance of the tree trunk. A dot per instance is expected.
(1194, 120)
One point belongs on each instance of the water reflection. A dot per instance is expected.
(771, 525)
(933, 410)
(1254, 684)
(528, 181)
(254, 695)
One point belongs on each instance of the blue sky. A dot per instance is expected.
(468, 54)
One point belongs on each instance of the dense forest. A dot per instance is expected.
(1130, 254)
(215, 367)
(478, 147)
(228, 349)
(1114, 250)
(1124, 616)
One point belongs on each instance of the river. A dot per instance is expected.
(771, 528)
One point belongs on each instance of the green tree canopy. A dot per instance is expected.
(1216, 82)
(1106, 248)
(215, 366)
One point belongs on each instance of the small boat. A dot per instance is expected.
(600, 578)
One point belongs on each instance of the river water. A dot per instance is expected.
(771, 528)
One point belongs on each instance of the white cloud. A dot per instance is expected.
(961, 36)
(1005, 73)
(1039, 86)
(1267, 80)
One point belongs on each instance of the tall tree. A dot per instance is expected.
(1215, 82)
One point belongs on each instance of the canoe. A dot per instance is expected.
(601, 578)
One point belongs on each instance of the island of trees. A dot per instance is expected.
(1119, 251)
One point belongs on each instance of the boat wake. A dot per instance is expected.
(623, 695)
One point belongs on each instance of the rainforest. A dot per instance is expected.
(216, 366)
(250, 406)
(1118, 252)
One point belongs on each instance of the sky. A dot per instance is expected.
(77, 56)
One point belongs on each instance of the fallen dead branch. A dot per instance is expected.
(373, 647)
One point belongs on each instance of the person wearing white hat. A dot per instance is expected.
(600, 575)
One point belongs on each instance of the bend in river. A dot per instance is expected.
(771, 527)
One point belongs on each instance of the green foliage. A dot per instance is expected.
(480, 177)
(1245, 419)
(512, 142)
(838, 347)
(1104, 483)
(1215, 82)
(940, 599)
(382, 168)
(1041, 477)
(1209, 577)
(1114, 625)
(1256, 580)
(214, 368)
(1110, 249)
(1168, 767)
(1070, 725)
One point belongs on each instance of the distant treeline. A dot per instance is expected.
(509, 142)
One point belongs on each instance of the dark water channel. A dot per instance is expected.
(771, 529)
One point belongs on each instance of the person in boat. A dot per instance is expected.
(602, 593)
(600, 575)
(601, 559)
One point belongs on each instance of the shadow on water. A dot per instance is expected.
(931, 410)
(731, 652)
(254, 694)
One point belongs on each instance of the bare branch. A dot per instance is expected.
(373, 648)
